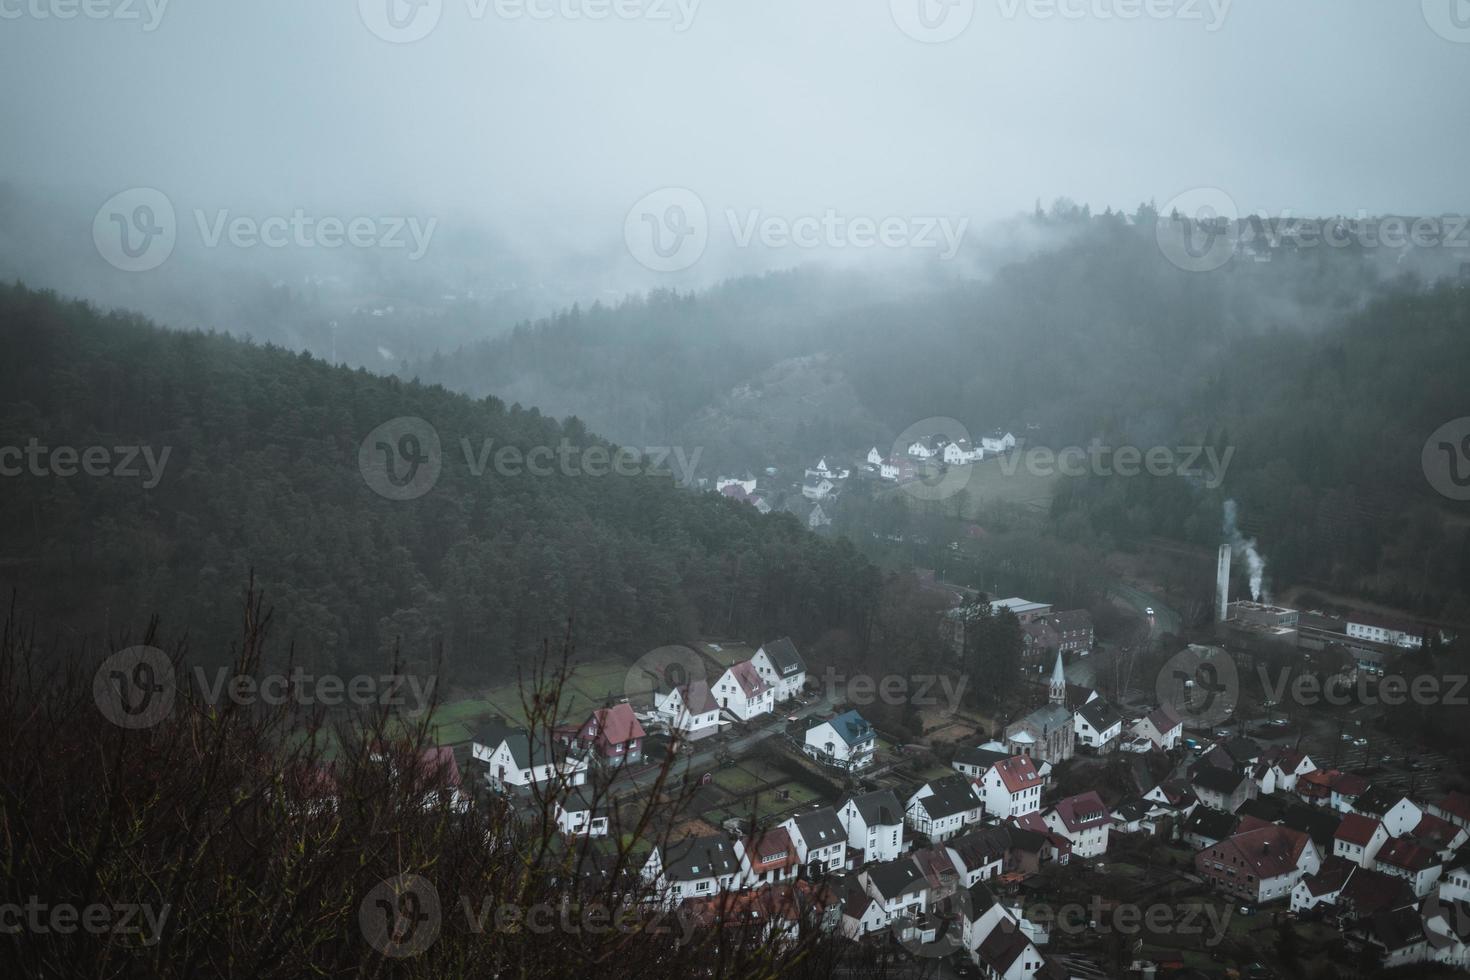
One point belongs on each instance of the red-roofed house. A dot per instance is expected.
(1455, 808)
(1358, 839)
(612, 735)
(1279, 769)
(1161, 726)
(1419, 866)
(1439, 835)
(1316, 787)
(1346, 788)
(742, 691)
(1010, 787)
(1084, 821)
(1259, 865)
(767, 858)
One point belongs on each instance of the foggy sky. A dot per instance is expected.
(550, 129)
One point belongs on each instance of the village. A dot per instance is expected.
(1074, 836)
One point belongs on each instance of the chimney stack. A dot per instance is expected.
(1222, 584)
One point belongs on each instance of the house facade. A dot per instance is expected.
(780, 665)
(845, 742)
(742, 692)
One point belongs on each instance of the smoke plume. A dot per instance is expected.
(1242, 545)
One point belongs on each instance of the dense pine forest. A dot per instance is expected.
(262, 477)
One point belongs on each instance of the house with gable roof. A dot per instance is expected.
(1358, 839)
(742, 692)
(1260, 864)
(874, 825)
(820, 841)
(844, 742)
(690, 709)
(515, 762)
(781, 666)
(1084, 820)
(1162, 727)
(1010, 787)
(943, 808)
(767, 858)
(1097, 725)
(612, 735)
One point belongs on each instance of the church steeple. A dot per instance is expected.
(1058, 694)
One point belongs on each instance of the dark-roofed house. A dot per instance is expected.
(1073, 628)
(689, 709)
(1262, 864)
(1084, 820)
(820, 841)
(695, 867)
(1205, 827)
(781, 666)
(874, 826)
(898, 886)
(862, 914)
(980, 854)
(1007, 953)
(1318, 823)
(943, 808)
(1399, 814)
(974, 761)
(1097, 725)
(1221, 789)
(1397, 935)
(1323, 887)
(514, 762)
(844, 742)
(579, 814)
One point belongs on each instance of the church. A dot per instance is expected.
(1046, 734)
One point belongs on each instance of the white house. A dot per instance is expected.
(999, 442)
(921, 450)
(1391, 632)
(958, 453)
(898, 886)
(873, 823)
(1419, 866)
(745, 483)
(875, 458)
(513, 762)
(1010, 788)
(695, 867)
(845, 742)
(820, 841)
(766, 858)
(1398, 813)
(781, 666)
(1279, 769)
(943, 808)
(978, 855)
(688, 708)
(1161, 727)
(742, 691)
(578, 815)
(1359, 839)
(820, 490)
(1084, 820)
(1097, 725)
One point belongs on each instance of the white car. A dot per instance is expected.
(1149, 611)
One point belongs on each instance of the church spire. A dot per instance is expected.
(1058, 694)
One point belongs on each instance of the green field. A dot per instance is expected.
(988, 483)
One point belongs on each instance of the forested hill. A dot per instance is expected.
(263, 473)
